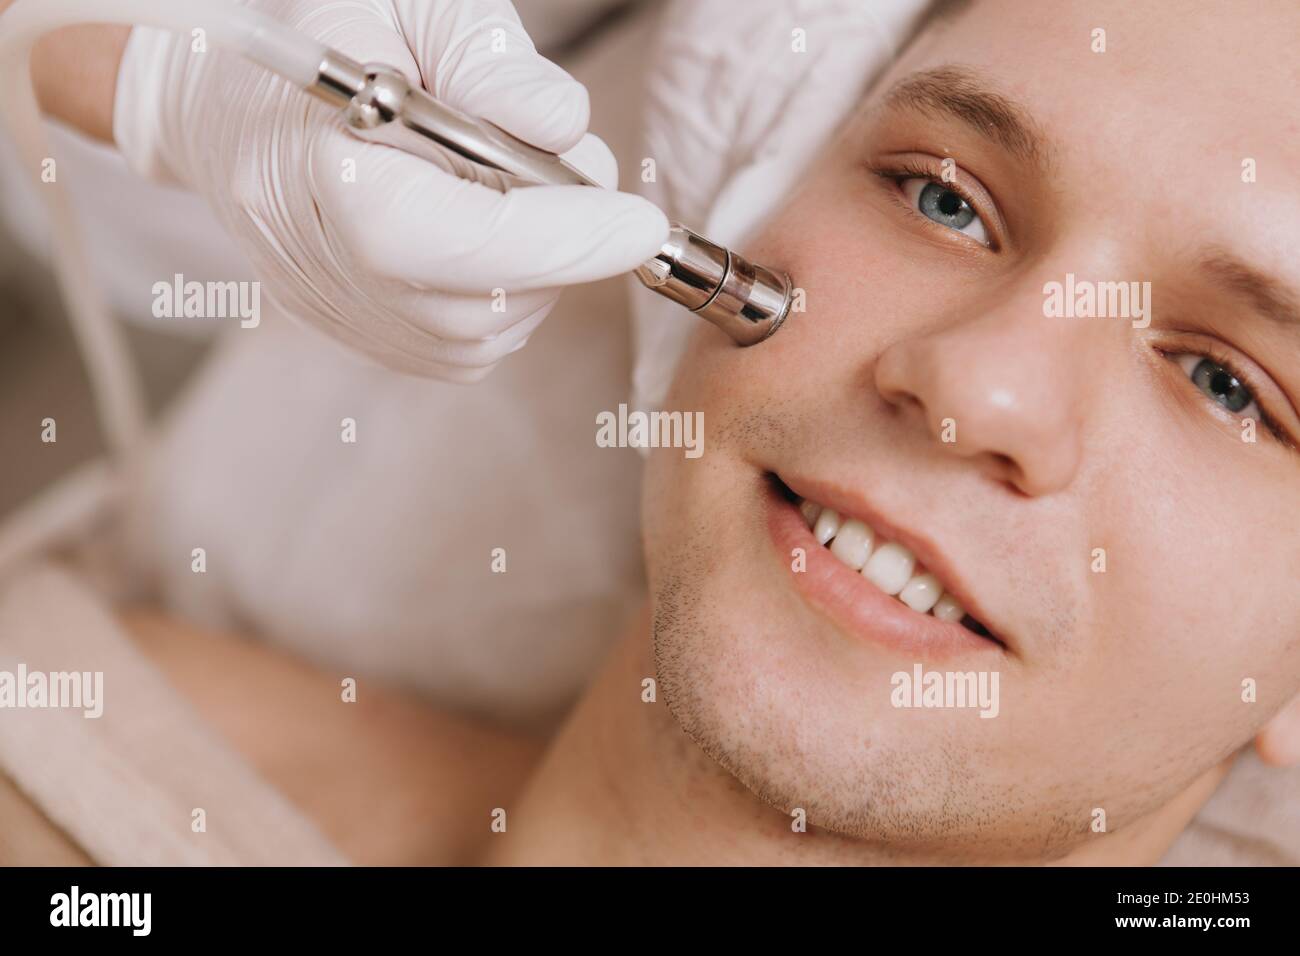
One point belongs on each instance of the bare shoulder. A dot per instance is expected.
(28, 837)
(386, 776)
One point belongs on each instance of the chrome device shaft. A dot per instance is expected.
(745, 300)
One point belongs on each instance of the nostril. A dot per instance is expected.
(1005, 469)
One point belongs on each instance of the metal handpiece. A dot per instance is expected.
(747, 301)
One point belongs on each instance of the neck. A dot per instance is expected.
(623, 785)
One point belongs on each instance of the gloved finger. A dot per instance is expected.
(595, 160)
(463, 318)
(388, 346)
(395, 343)
(488, 351)
(402, 218)
(465, 376)
(478, 58)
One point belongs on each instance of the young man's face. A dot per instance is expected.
(1085, 485)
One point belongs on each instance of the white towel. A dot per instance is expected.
(125, 785)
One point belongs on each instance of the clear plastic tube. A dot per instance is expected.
(263, 40)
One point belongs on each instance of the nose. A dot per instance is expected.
(1002, 389)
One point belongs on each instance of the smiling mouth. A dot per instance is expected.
(887, 565)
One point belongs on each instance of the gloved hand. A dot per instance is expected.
(735, 113)
(393, 256)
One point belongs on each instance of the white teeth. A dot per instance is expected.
(890, 568)
(946, 609)
(810, 510)
(828, 525)
(852, 543)
(921, 593)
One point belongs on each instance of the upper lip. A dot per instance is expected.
(852, 504)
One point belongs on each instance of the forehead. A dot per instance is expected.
(1181, 80)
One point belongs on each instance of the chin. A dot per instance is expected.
(786, 683)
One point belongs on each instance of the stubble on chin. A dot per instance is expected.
(894, 805)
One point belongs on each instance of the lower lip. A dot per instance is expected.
(857, 606)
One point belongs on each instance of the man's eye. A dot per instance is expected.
(948, 208)
(1219, 384)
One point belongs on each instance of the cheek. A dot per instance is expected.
(1195, 598)
(827, 237)
(819, 353)
(837, 249)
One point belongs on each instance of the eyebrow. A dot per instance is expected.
(1265, 293)
(965, 95)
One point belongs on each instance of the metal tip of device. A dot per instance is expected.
(747, 301)
(752, 302)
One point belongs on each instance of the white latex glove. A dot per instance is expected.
(401, 263)
(735, 114)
